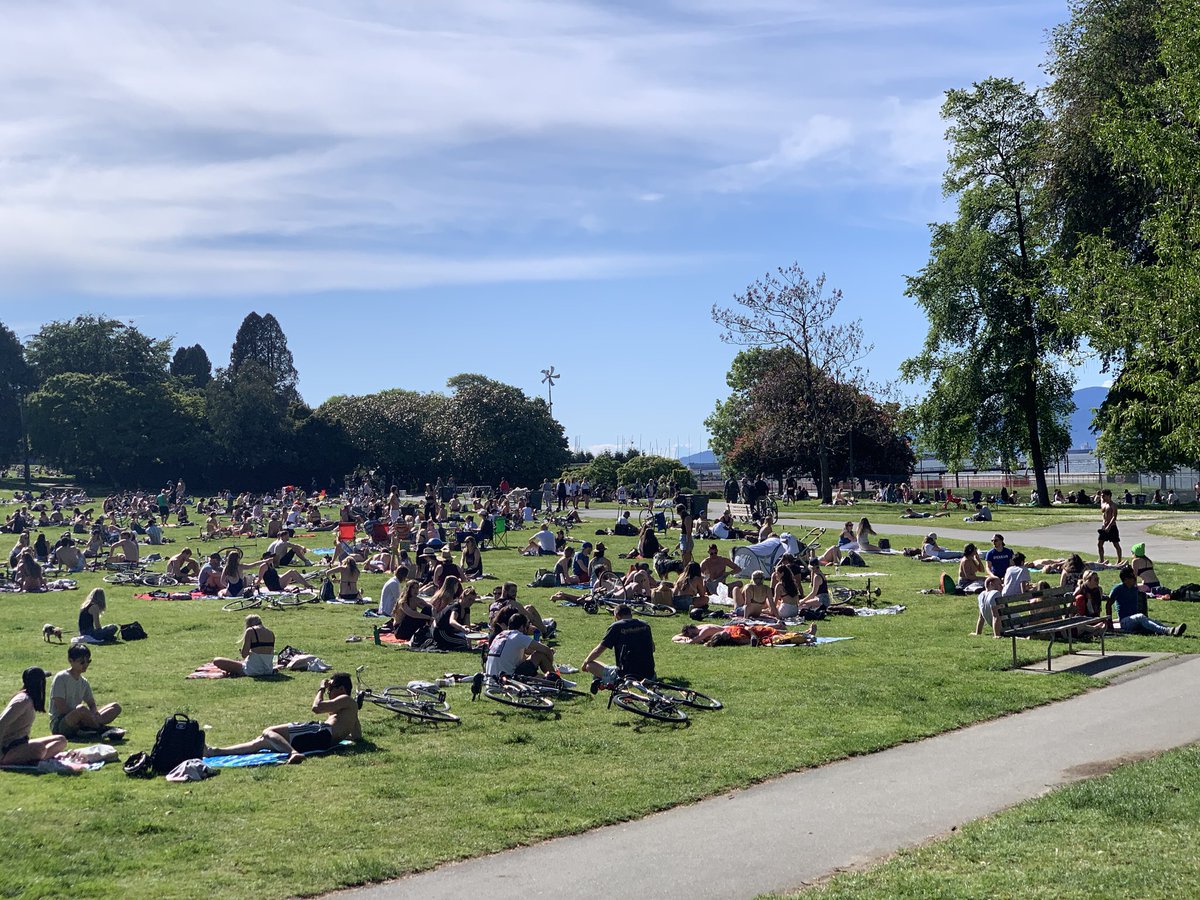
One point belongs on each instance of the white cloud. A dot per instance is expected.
(289, 144)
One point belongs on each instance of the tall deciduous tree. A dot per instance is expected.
(260, 341)
(15, 382)
(96, 345)
(787, 311)
(997, 333)
(192, 366)
(250, 422)
(1141, 311)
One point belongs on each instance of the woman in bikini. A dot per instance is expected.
(1143, 568)
(346, 575)
(233, 578)
(17, 748)
(785, 603)
(258, 651)
(690, 586)
(862, 537)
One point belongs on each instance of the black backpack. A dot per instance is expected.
(327, 594)
(180, 738)
(133, 632)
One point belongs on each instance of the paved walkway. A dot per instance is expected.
(845, 814)
(1070, 537)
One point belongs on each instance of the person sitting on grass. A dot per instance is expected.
(335, 700)
(233, 577)
(599, 567)
(411, 613)
(452, 624)
(126, 549)
(257, 651)
(505, 597)
(515, 651)
(689, 586)
(1016, 577)
(182, 566)
(754, 600)
(862, 536)
(971, 571)
(73, 710)
(284, 552)
(1143, 569)
(1131, 608)
(28, 574)
(987, 606)
(818, 591)
(94, 605)
(648, 544)
(208, 580)
(716, 568)
(738, 635)
(471, 561)
(542, 543)
(17, 748)
(346, 575)
(632, 643)
(446, 568)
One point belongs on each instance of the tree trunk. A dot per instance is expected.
(824, 486)
(1035, 441)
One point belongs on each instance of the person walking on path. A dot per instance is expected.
(1108, 532)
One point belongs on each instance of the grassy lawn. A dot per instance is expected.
(1129, 834)
(411, 796)
(1182, 529)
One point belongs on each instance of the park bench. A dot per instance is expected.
(1038, 613)
(741, 512)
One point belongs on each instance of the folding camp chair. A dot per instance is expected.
(347, 531)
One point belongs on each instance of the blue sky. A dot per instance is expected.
(421, 189)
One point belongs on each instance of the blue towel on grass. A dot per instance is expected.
(262, 758)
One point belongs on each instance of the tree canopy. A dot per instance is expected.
(97, 345)
(15, 381)
(192, 366)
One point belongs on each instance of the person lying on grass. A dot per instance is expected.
(257, 651)
(16, 747)
(334, 700)
(932, 552)
(910, 513)
(740, 635)
(278, 582)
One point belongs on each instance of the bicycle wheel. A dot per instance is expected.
(843, 594)
(522, 699)
(422, 710)
(687, 696)
(646, 515)
(650, 707)
(771, 508)
(291, 601)
(242, 603)
(655, 610)
(167, 580)
(120, 578)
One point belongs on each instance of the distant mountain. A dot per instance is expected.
(1087, 400)
(705, 458)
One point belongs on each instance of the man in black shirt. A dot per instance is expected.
(632, 644)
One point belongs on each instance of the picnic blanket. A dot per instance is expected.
(820, 640)
(262, 758)
(882, 611)
(55, 766)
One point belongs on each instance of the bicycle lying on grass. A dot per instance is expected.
(847, 594)
(659, 700)
(420, 704)
(533, 692)
(270, 601)
(640, 607)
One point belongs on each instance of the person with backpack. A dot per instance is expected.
(335, 700)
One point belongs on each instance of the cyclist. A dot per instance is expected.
(516, 652)
(632, 643)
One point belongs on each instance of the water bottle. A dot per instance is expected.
(377, 641)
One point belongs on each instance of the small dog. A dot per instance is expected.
(663, 564)
(49, 631)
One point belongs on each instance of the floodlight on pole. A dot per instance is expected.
(548, 378)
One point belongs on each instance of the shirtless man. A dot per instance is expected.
(1108, 532)
(334, 700)
(181, 566)
(68, 556)
(127, 549)
(740, 635)
(715, 568)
